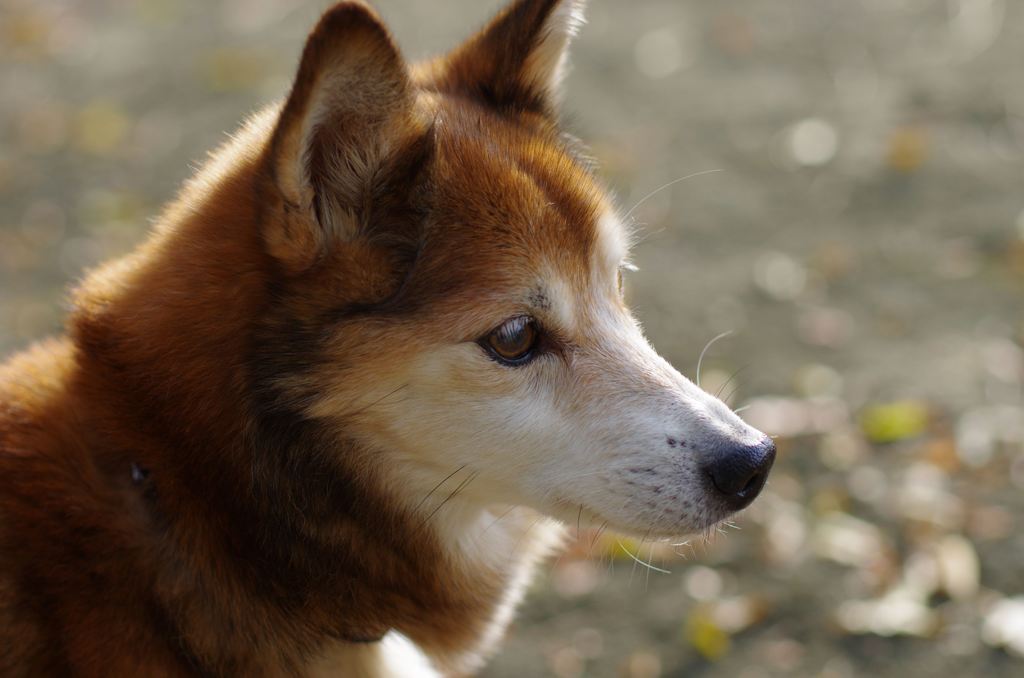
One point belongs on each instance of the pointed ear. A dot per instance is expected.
(347, 111)
(518, 60)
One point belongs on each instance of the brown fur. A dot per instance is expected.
(280, 280)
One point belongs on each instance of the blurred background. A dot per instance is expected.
(853, 214)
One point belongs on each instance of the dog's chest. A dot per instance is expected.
(393, 657)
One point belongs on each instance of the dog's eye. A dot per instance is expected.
(514, 341)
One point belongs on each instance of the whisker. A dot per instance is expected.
(637, 227)
(494, 522)
(376, 402)
(597, 535)
(637, 560)
(647, 578)
(663, 187)
(437, 487)
(472, 476)
(676, 547)
(522, 537)
(700, 360)
(731, 394)
(727, 381)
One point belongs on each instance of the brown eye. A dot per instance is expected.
(513, 342)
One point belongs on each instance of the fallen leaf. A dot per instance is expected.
(895, 421)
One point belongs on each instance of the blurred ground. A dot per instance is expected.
(862, 239)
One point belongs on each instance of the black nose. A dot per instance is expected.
(739, 473)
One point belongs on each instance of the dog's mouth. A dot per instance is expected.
(698, 519)
(671, 511)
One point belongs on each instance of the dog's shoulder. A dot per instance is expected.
(63, 530)
(34, 403)
(32, 389)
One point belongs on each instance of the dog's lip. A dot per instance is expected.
(579, 516)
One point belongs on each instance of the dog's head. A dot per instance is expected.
(459, 267)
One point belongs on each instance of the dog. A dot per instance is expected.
(331, 414)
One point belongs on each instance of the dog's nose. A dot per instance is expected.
(739, 473)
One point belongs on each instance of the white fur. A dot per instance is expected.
(548, 64)
(394, 657)
(505, 539)
(561, 299)
(612, 243)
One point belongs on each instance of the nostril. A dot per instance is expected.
(731, 478)
(752, 484)
(740, 473)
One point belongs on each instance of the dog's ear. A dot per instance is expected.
(517, 61)
(349, 110)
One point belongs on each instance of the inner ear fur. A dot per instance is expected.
(348, 113)
(517, 61)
